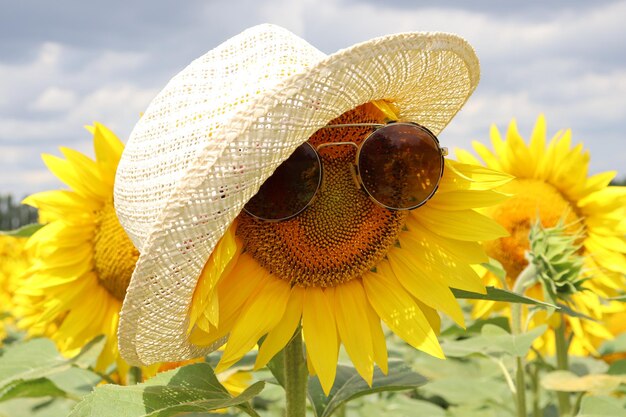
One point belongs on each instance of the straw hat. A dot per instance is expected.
(220, 128)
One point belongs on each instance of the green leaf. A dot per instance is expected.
(36, 407)
(36, 369)
(498, 294)
(40, 387)
(400, 405)
(601, 407)
(617, 367)
(457, 390)
(192, 388)
(476, 327)
(349, 385)
(493, 341)
(277, 367)
(616, 345)
(30, 360)
(565, 309)
(24, 231)
(496, 268)
(89, 354)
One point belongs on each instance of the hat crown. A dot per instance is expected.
(182, 121)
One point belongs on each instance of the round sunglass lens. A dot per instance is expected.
(290, 188)
(400, 165)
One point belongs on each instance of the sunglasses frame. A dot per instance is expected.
(443, 151)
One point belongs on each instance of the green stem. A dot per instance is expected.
(522, 281)
(296, 377)
(562, 346)
(520, 381)
(536, 392)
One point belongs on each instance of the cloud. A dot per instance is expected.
(55, 99)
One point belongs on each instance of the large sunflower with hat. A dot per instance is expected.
(342, 255)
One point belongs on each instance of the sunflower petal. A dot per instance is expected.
(278, 337)
(260, 315)
(399, 311)
(350, 308)
(320, 334)
(422, 285)
(462, 225)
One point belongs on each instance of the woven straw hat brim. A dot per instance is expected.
(176, 219)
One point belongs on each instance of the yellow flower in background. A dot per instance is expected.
(14, 261)
(552, 184)
(82, 258)
(343, 265)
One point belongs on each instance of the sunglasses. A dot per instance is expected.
(399, 165)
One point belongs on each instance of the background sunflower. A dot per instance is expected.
(82, 259)
(13, 263)
(552, 184)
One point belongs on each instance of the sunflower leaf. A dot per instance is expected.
(24, 231)
(36, 369)
(617, 345)
(349, 385)
(30, 360)
(493, 341)
(601, 406)
(565, 309)
(498, 294)
(277, 367)
(191, 388)
(32, 388)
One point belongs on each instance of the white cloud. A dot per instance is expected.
(55, 99)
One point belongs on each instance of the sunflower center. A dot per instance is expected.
(342, 234)
(114, 254)
(531, 199)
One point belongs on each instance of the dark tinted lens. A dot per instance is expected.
(400, 165)
(290, 188)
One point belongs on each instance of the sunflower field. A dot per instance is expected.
(503, 295)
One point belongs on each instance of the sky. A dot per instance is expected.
(68, 63)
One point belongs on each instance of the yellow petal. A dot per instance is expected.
(465, 199)
(379, 342)
(466, 157)
(260, 315)
(234, 290)
(350, 308)
(464, 251)
(424, 286)
(399, 311)
(483, 151)
(63, 202)
(278, 337)
(221, 261)
(320, 334)
(457, 176)
(440, 264)
(88, 171)
(66, 173)
(462, 225)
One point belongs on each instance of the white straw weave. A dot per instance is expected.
(220, 128)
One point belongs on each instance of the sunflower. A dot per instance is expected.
(13, 263)
(552, 184)
(82, 258)
(344, 264)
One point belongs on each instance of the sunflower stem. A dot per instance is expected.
(296, 377)
(521, 283)
(562, 346)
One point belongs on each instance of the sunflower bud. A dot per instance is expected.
(555, 254)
